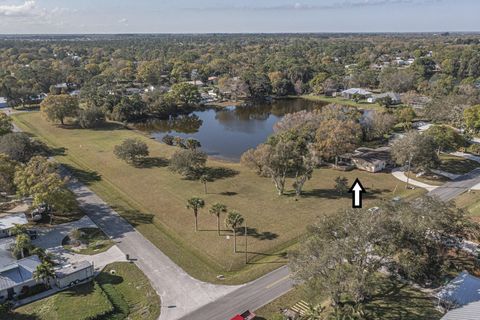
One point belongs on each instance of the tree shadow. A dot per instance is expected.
(265, 235)
(60, 151)
(87, 177)
(108, 278)
(152, 162)
(333, 194)
(134, 217)
(228, 193)
(217, 173)
(12, 315)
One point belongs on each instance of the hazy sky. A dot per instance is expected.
(199, 16)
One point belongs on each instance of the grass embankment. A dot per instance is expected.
(457, 165)
(124, 294)
(92, 241)
(391, 300)
(347, 102)
(153, 199)
(470, 201)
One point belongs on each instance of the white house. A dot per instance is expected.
(8, 221)
(3, 102)
(372, 160)
(392, 96)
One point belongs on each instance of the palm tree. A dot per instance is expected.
(18, 229)
(314, 313)
(22, 244)
(44, 272)
(217, 209)
(233, 221)
(195, 204)
(204, 178)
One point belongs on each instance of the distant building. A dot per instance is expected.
(197, 83)
(212, 80)
(3, 102)
(461, 291)
(17, 277)
(8, 221)
(353, 92)
(394, 98)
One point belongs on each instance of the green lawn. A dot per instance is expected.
(93, 239)
(470, 201)
(153, 199)
(116, 295)
(343, 101)
(391, 300)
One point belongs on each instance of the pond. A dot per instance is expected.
(228, 132)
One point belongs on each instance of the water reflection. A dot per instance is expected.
(229, 132)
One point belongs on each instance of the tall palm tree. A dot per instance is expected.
(22, 244)
(44, 273)
(233, 221)
(217, 209)
(195, 204)
(204, 178)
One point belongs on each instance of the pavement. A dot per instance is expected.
(453, 189)
(249, 297)
(180, 293)
(400, 175)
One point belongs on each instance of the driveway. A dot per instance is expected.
(180, 293)
(400, 175)
(453, 189)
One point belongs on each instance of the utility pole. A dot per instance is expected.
(246, 248)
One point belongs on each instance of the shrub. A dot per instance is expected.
(90, 118)
(168, 140)
(474, 149)
(132, 151)
(188, 163)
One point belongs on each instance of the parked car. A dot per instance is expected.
(247, 315)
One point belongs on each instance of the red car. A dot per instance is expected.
(247, 315)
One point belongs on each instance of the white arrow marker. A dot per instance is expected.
(357, 190)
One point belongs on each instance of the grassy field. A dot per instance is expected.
(94, 241)
(343, 101)
(153, 199)
(391, 301)
(470, 201)
(118, 294)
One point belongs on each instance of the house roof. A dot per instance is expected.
(8, 221)
(372, 155)
(391, 95)
(359, 91)
(19, 272)
(6, 256)
(467, 312)
(462, 290)
(3, 100)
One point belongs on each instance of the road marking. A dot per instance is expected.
(277, 282)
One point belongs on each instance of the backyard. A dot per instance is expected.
(153, 199)
(120, 291)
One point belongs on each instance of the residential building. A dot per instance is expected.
(372, 160)
(394, 98)
(17, 277)
(356, 92)
(8, 221)
(3, 102)
(459, 292)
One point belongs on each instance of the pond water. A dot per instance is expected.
(227, 133)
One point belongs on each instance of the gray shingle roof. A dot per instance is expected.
(18, 272)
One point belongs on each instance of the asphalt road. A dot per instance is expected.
(249, 297)
(453, 189)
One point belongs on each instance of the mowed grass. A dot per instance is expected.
(470, 201)
(86, 301)
(457, 165)
(123, 293)
(153, 199)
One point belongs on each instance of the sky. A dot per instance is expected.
(241, 16)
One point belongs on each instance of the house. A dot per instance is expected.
(133, 91)
(8, 221)
(17, 277)
(3, 102)
(72, 274)
(459, 292)
(356, 92)
(469, 311)
(372, 160)
(392, 98)
(197, 83)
